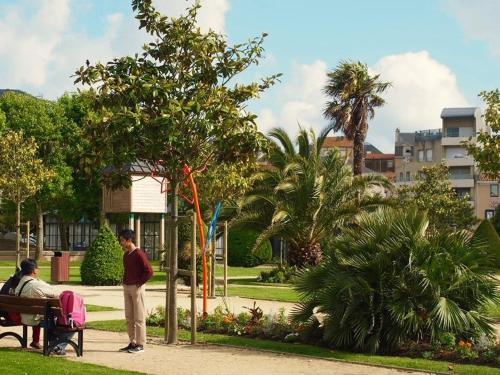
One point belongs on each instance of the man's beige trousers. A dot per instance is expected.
(135, 313)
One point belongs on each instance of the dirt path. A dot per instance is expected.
(101, 348)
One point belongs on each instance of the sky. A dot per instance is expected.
(435, 53)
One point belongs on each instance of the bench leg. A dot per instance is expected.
(45, 341)
(25, 337)
(80, 343)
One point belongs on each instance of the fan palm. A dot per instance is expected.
(354, 97)
(386, 281)
(302, 196)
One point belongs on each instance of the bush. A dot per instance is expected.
(486, 232)
(103, 262)
(278, 275)
(391, 283)
(240, 243)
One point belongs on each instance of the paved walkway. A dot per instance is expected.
(101, 349)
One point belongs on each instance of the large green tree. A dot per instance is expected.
(22, 174)
(354, 94)
(433, 192)
(43, 120)
(174, 104)
(303, 196)
(486, 151)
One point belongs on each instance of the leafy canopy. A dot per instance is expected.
(22, 174)
(434, 193)
(303, 196)
(487, 149)
(175, 103)
(353, 96)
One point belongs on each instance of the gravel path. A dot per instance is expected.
(101, 349)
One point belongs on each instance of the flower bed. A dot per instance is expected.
(277, 327)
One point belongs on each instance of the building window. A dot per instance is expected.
(408, 176)
(452, 132)
(390, 164)
(488, 214)
(428, 154)
(494, 190)
(401, 176)
(420, 155)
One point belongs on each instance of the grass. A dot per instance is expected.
(74, 274)
(159, 276)
(268, 293)
(97, 308)
(308, 350)
(17, 362)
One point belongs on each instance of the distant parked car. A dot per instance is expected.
(12, 236)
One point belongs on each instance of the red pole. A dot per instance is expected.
(202, 239)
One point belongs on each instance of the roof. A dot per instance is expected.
(337, 142)
(406, 138)
(459, 112)
(379, 156)
(369, 148)
(137, 167)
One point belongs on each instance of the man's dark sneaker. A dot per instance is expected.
(136, 349)
(127, 348)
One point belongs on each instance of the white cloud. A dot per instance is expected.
(479, 19)
(39, 50)
(421, 88)
(300, 99)
(28, 41)
(210, 16)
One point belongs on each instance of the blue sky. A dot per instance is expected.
(436, 53)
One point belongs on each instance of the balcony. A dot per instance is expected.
(456, 141)
(459, 162)
(462, 181)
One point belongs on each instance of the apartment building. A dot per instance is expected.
(427, 147)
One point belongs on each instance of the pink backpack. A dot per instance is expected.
(73, 310)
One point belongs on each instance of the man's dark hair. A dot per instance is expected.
(28, 266)
(127, 234)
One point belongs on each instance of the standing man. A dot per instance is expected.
(137, 271)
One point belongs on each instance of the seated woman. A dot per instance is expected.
(8, 289)
(32, 287)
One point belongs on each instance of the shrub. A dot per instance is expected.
(487, 233)
(240, 244)
(387, 282)
(278, 275)
(103, 262)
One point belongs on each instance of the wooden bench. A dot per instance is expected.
(50, 309)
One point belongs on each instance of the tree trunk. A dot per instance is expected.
(172, 285)
(39, 232)
(304, 255)
(18, 234)
(63, 234)
(359, 153)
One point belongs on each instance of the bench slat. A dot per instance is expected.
(23, 301)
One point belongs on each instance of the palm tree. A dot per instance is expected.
(354, 97)
(386, 281)
(302, 196)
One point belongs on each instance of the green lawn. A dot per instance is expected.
(20, 362)
(97, 308)
(267, 293)
(159, 276)
(74, 274)
(309, 350)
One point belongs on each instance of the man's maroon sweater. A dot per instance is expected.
(137, 268)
